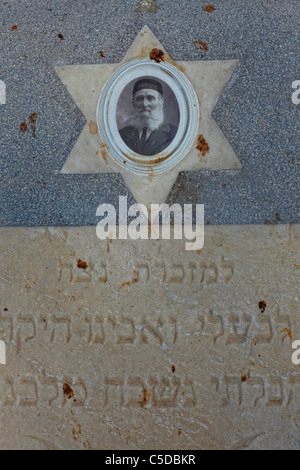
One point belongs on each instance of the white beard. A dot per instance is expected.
(151, 119)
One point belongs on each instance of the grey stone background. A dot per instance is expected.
(255, 111)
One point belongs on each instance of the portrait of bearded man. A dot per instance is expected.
(147, 132)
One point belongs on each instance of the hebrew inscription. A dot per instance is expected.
(97, 329)
(110, 340)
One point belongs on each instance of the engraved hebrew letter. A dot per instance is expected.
(192, 267)
(56, 322)
(264, 338)
(103, 277)
(273, 399)
(68, 390)
(154, 331)
(66, 267)
(160, 271)
(241, 336)
(96, 330)
(165, 391)
(25, 319)
(174, 322)
(258, 383)
(294, 396)
(178, 275)
(285, 328)
(50, 382)
(211, 274)
(6, 319)
(202, 321)
(113, 390)
(215, 318)
(142, 273)
(189, 397)
(10, 400)
(231, 382)
(31, 384)
(141, 394)
(80, 392)
(227, 266)
(83, 275)
(216, 382)
(127, 325)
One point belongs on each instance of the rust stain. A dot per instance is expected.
(157, 55)
(166, 58)
(60, 36)
(76, 434)
(32, 120)
(14, 28)
(244, 378)
(68, 392)
(297, 266)
(179, 432)
(81, 264)
(108, 246)
(202, 145)
(147, 5)
(135, 276)
(200, 45)
(209, 8)
(93, 128)
(262, 306)
(125, 284)
(288, 333)
(87, 445)
(23, 127)
(180, 67)
(151, 173)
(102, 55)
(103, 153)
(173, 368)
(145, 397)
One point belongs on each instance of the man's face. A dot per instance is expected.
(147, 102)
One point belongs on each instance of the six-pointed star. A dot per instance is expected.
(89, 155)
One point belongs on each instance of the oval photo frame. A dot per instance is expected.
(178, 142)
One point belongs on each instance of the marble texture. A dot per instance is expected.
(139, 345)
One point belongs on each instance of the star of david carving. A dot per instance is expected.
(210, 151)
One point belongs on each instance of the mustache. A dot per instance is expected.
(151, 118)
(155, 114)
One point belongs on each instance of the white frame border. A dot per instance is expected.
(188, 124)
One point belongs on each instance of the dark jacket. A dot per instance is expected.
(158, 141)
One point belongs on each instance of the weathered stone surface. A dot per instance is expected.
(136, 345)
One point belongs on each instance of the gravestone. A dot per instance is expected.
(123, 343)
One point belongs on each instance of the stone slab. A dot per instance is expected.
(143, 345)
(255, 111)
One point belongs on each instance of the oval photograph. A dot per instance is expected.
(147, 115)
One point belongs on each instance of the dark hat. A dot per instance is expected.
(149, 84)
